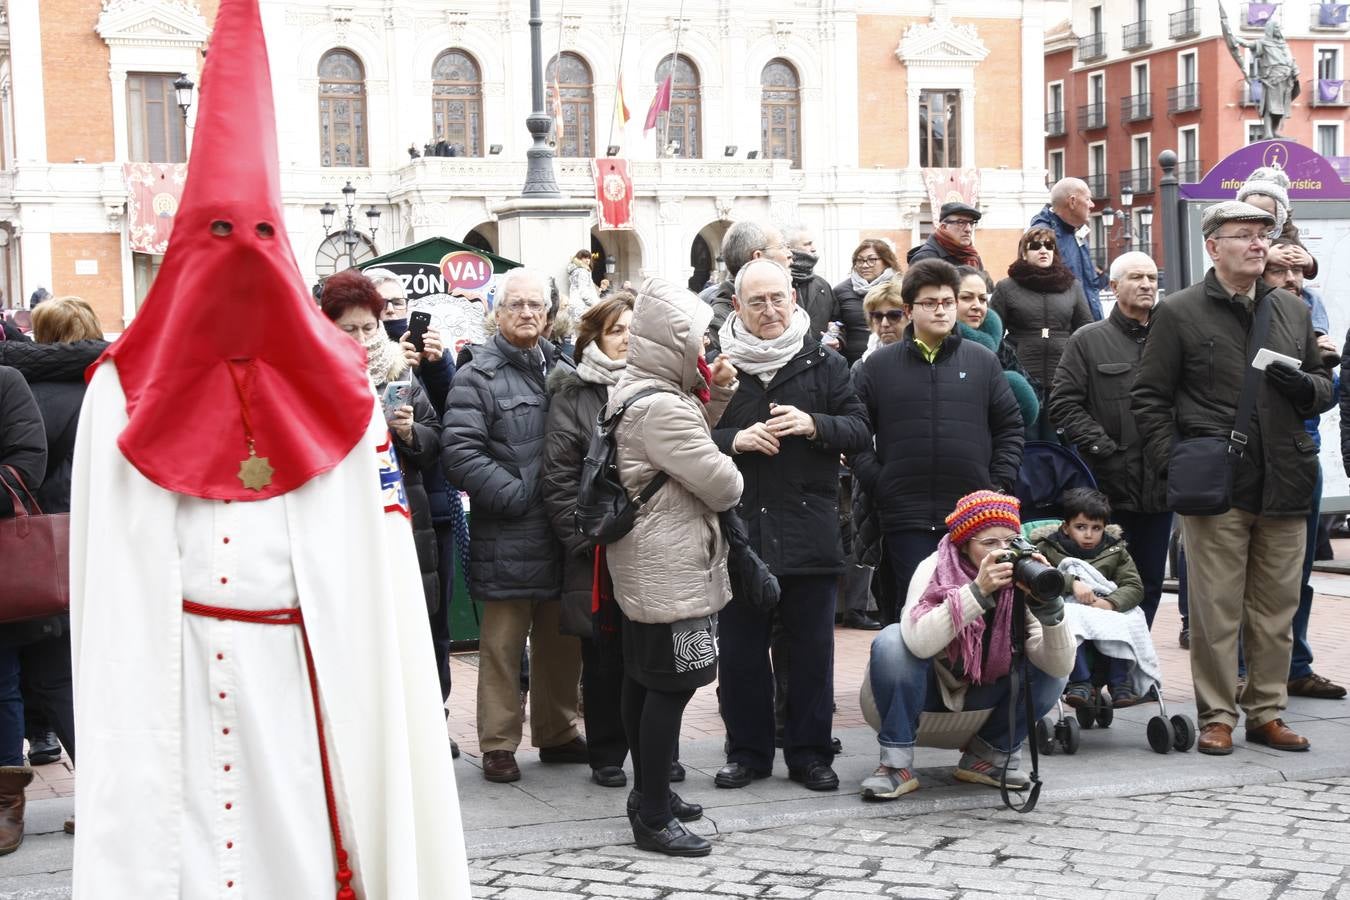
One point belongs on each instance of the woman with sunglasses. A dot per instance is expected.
(1041, 303)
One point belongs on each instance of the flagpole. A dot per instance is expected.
(618, 79)
(557, 92)
(674, 63)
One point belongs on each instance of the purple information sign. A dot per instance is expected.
(1311, 175)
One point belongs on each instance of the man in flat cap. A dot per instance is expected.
(954, 238)
(1243, 564)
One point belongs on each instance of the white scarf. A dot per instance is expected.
(597, 368)
(862, 286)
(384, 360)
(760, 357)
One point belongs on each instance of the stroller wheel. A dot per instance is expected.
(1160, 734)
(1086, 715)
(1068, 735)
(1183, 733)
(1104, 716)
(1045, 737)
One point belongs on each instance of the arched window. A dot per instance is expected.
(684, 122)
(780, 112)
(342, 110)
(576, 136)
(457, 102)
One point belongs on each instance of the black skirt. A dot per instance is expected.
(671, 656)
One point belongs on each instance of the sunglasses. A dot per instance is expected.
(1040, 245)
(894, 316)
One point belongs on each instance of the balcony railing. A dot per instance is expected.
(1138, 180)
(1099, 186)
(1256, 15)
(1137, 35)
(1054, 123)
(1183, 24)
(1091, 115)
(1330, 17)
(1136, 107)
(1251, 93)
(1183, 98)
(1099, 257)
(1091, 46)
(1189, 171)
(1328, 92)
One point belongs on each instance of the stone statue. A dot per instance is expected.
(1274, 70)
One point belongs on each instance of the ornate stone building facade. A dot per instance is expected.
(843, 105)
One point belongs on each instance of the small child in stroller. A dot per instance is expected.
(1102, 576)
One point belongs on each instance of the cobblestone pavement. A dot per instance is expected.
(1283, 840)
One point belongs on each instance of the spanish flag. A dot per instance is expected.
(621, 114)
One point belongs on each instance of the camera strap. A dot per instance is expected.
(1019, 684)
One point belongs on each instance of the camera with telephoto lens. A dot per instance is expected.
(1043, 583)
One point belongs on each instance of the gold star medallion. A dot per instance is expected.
(255, 472)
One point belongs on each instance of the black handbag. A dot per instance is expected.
(604, 511)
(751, 580)
(1200, 470)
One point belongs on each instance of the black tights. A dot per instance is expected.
(652, 722)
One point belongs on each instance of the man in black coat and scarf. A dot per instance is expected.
(793, 414)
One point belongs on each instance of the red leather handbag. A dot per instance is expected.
(35, 555)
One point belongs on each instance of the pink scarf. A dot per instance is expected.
(954, 572)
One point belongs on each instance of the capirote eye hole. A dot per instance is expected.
(221, 228)
(265, 230)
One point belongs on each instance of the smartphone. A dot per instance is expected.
(396, 394)
(418, 323)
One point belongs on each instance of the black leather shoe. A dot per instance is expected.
(673, 840)
(836, 746)
(574, 751)
(856, 618)
(816, 777)
(43, 748)
(735, 775)
(609, 776)
(454, 750)
(685, 812)
(676, 772)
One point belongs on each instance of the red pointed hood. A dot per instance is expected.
(229, 341)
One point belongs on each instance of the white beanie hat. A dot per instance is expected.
(1271, 182)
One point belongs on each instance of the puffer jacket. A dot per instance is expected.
(1076, 257)
(815, 295)
(1190, 377)
(1039, 325)
(1110, 558)
(854, 317)
(573, 406)
(23, 440)
(493, 448)
(1090, 405)
(673, 564)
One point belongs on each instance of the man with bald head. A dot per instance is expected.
(793, 414)
(1090, 404)
(1069, 209)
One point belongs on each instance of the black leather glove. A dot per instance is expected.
(1294, 384)
(1047, 612)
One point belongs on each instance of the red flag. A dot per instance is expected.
(153, 193)
(614, 190)
(660, 103)
(557, 111)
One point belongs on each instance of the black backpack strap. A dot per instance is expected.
(1237, 438)
(661, 477)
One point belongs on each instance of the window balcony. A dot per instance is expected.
(1184, 24)
(1254, 16)
(1138, 180)
(1054, 123)
(1136, 108)
(1328, 92)
(1091, 46)
(1137, 35)
(1183, 98)
(1330, 17)
(1189, 171)
(1091, 116)
(1251, 93)
(1099, 186)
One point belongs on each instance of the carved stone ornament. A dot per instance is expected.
(341, 17)
(571, 28)
(456, 20)
(152, 23)
(782, 32)
(668, 212)
(941, 42)
(723, 205)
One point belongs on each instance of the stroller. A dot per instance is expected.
(1048, 470)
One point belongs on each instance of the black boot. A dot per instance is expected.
(685, 812)
(673, 840)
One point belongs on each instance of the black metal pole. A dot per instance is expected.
(539, 177)
(1169, 214)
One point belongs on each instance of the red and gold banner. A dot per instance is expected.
(154, 191)
(614, 191)
(946, 185)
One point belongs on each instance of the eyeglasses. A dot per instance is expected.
(894, 316)
(781, 245)
(759, 304)
(1040, 245)
(993, 543)
(516, 307)
(867, 260)
(396, 303)
(935, 305)
(958, 223)
(1259, 237)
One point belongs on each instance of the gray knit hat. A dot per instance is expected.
(1272, 182)
(1232, 211)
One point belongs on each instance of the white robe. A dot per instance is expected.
(153, 786)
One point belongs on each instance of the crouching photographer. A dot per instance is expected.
(952, 650)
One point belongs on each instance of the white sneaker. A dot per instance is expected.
(887, 783)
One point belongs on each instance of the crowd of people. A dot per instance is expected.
(871, 437)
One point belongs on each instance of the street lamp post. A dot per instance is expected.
(539, 179)
(1126, 223)
(182, 90)
(351, 236)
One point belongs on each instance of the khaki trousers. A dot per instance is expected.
(1244, 572)
(555, 671)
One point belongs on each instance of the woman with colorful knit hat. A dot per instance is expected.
(952, 652)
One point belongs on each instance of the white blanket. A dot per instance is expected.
(1121, 635)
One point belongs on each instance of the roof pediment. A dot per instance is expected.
(160, 23)
(941, 42)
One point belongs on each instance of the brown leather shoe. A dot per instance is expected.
(1277, 735)
(69, 825)
(1216, 739)
(500, 766)
(13, 779)
(1314, 685)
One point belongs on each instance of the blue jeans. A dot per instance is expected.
(11, 709)
(905, 686)
(1117, 670)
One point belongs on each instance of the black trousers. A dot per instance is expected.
(602, 694)
(904, 551)
(806, 612)
(1147, 535)
(440, 619)
(47, 686)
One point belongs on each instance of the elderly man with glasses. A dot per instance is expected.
(1242, 564)
(953, 240)
(493, 440)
